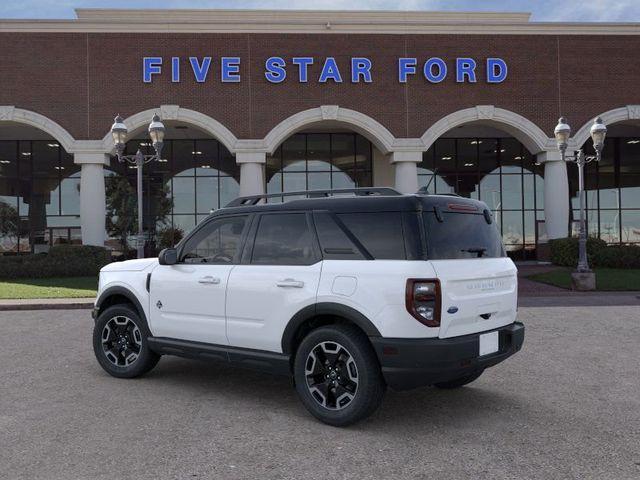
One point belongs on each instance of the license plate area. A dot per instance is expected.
(489, 343)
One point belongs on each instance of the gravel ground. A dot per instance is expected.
(566, 406)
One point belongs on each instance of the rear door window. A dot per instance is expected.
(461, 235)
(334, 242)
(284, 239)
(379, 232)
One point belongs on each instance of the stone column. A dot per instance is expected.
(556, 194)
(251, 172)
(92, 196)
(406, 167)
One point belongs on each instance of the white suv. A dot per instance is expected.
(347, 294)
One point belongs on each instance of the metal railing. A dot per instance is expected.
(359, 192)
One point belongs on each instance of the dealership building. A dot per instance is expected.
(277, 101)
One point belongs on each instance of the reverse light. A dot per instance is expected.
(423, 301)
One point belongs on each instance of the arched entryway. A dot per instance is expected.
(39, 184)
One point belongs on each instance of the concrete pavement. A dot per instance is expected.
(566, 406)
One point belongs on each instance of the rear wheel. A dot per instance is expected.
(337, 375)
(120, 343)
(460, 381)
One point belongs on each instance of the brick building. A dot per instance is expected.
(287, 100)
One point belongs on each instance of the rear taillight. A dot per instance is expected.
(423, 301)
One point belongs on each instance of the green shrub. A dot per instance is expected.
(61, 261)
(169, 237)
(618, 256)
(564, 251)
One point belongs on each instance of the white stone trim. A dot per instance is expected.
(10, 113)
(382, 138)
(629, 112)
(176, 113)
(309, 21)
(532, 136)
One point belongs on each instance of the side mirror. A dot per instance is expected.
(168, 256)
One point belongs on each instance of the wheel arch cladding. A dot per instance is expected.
(117, 296)
(320, 314)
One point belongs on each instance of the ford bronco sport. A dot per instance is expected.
(346, 294)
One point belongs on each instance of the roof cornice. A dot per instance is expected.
(312, 21)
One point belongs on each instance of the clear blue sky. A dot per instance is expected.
(543, 10)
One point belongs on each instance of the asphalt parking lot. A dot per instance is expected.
(567, 406)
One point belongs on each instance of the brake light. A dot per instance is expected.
(423, 301)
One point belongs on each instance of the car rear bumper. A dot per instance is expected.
(409, 363)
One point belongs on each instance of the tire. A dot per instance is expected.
(120, 342)
(459, 382)
(348, 388)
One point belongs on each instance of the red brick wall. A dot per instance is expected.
(82, 80)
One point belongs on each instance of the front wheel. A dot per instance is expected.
(337, 375)
(120, 343)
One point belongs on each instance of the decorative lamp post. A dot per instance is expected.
(119, 133)
(583, 278)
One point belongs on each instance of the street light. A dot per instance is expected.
(119, 133)
(562, 133)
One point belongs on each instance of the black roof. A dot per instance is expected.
(355, 204)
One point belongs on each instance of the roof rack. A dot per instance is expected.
(424, 191)
(359, 192)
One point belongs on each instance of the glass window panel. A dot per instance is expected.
(292, 182)
(283, 239)
(445, 156)
(8, 159)
(609, 198)
(228, 165)
(442, 184)
(490, 192)
(363, 153)
(427, 181)
(274, 185)
(630, 196)
(342, 151)
(184, 222)
(183, 195)
(512, 228)
(467, 186)
(217, 243)
(342, 180)
(206, 155)
(631, 226)
(427, 163)
(380, 233)
(539, 192)
(207, 194)
(467, 151)
(610, 226)
(363, 178)
(70, 196)
(293, 153)
(512, 192)
(45, 159)
(229, 189)
(629, 154)
(183, 157)
(318, 151)
(529, 227)
(528, 191)
(319, 181)
(511, 155)
(488, 155)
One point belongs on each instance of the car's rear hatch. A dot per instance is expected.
(478, 283)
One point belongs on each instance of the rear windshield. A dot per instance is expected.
(461, 235)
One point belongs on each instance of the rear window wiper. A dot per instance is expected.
(480, 251)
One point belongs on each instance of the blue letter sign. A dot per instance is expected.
(151, 66)
(496, 70)
(275, 69)
(200, 71)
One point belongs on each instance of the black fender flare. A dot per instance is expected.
(325, 308)
(125, 292)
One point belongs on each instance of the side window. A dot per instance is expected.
(283, 239)
(335, 244)
(217, 243)
(380, 233)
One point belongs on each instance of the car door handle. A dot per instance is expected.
(290, 282)
(209, 280)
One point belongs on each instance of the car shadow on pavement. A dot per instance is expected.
(248, 389)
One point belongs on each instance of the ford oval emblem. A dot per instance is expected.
(452, 310)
